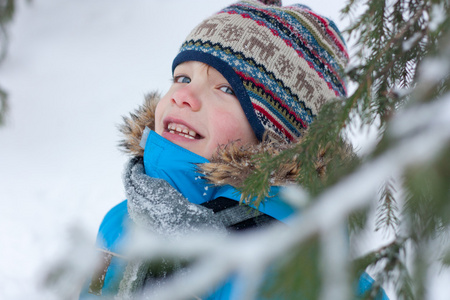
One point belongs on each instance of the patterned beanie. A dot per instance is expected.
(283, 63)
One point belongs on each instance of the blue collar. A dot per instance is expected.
(178, 166)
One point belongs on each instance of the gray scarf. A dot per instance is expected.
(153, 204)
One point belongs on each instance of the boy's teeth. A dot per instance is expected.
(181, 130)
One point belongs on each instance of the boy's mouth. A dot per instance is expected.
(183, 131)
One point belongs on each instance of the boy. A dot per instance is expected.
(249, 76)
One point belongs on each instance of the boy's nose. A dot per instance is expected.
(187, 96)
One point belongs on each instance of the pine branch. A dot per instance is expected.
(387, 211)
(3, 105)
(393, 269)
(427, 198)
(7, 8)
(390, 63)
(287, 278)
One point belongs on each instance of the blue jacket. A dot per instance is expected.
(176, 165)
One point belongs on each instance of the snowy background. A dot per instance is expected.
(74, 67)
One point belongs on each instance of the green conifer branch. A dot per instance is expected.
(387, 211)
(3, 105)
(7, 8)
(394, 41)
(296, 276)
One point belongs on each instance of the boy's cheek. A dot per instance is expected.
(229, 127)
(158, 117)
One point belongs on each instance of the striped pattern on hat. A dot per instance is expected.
(283, 63)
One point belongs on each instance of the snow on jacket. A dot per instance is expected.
(192, 194)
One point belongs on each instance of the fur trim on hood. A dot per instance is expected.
(232, 164)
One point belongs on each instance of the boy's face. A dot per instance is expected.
(200, 111)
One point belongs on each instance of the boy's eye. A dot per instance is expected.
(182, 79)
(227, 89)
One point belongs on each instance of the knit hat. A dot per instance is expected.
(283, 63)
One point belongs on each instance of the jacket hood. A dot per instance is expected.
(231, 165)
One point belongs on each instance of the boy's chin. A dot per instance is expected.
(197, 146)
